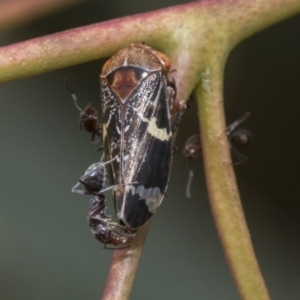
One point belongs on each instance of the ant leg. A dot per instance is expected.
(241, 158)
(116, 248)
(115, 185)
(80, 192)
(73, 95)
(189, 183)
(237, 122)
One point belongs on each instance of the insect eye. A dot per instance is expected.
(140, 73)
(164, 60)
(144, 74)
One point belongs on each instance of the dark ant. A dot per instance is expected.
(237, 138)
(103, 229)
(88, 118)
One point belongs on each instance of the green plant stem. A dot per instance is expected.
(223, 192)
(186, 31)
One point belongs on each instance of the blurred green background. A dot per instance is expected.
(46, 248)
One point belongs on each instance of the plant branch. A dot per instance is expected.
(197, 37)
(124, 266)
(223, 192)
(184, 29)
(16, 12)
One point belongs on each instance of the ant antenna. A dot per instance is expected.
(72, 93)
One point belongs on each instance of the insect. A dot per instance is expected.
(140, 116)
(88, 118)
(241, 137)
(93, 181)
(237, 138)
(103, 228)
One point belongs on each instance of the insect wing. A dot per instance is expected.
(112, 115)
(149, 161)
(140, 133)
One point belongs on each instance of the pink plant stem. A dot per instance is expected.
(124, 266)
(16, 12)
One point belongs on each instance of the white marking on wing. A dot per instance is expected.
(104, 131)
(109, 118)
(152, 196)
(159, 133)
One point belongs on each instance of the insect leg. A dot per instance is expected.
(230, 128)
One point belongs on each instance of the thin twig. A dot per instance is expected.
(222, 188)
(124, 266)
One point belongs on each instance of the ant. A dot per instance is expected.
(237, 138)
(88, 118)
(103, 229)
